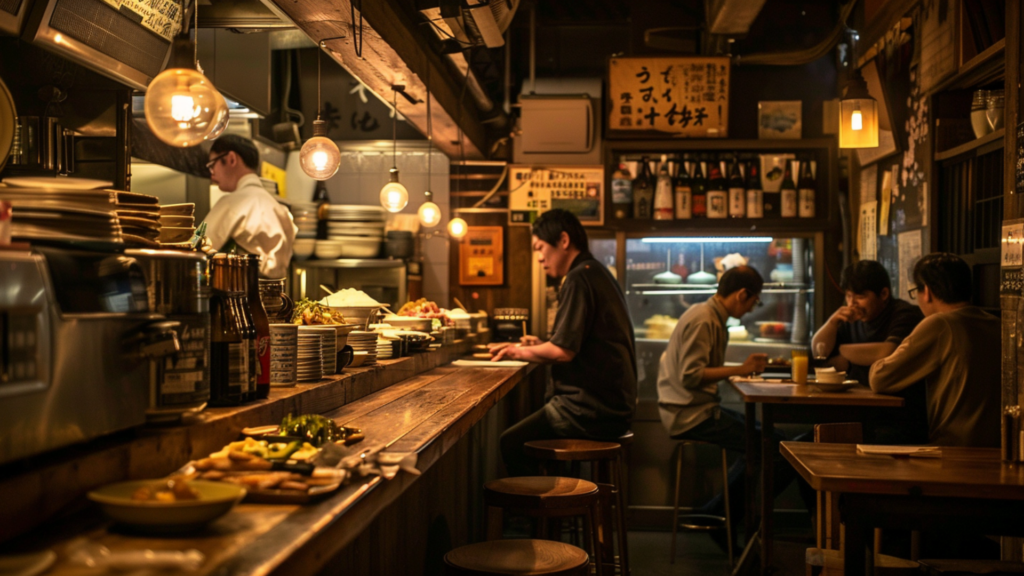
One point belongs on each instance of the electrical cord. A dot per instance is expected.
(799, 57)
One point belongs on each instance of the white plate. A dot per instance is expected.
(57, 183)
(27, 564)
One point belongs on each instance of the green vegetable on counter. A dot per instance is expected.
(318, 430)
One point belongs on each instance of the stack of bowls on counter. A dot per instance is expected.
(364, 346)
(177, 225)
(284, 345)
(385, 348)
(353, 231)
(328, 347)
(310, 358)
(277, 304)
(305, 218)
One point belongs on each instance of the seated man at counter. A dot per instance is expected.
(955, 350)
(870, 327)
(248, 217)
(592, 351)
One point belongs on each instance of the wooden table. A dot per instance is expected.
(783, 403)
(965, 489)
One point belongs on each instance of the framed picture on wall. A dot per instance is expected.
(780, 119)
(482, 256)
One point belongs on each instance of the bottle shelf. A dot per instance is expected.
(671, 289)
(995, 139)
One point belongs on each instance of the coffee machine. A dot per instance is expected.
(77, 343)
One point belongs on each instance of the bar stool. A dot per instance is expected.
(606, 458)
(517, 557)
(545, 497)
(700, 522)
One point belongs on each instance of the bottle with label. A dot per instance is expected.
(261, 323)
(643, 191)
(718, 197)
(787, 193)
(663, 192)
(805, 190)
(622, 191)
(755, 196)
(228, 374)
(683, 192)
(239, 267)
(699, 187)
(737, 191)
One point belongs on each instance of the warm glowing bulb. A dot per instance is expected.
(430, 214)
(184, 109)
(856, 122)
(457, 228)
(393, 196)
(320, 158)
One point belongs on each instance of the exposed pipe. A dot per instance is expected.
(800, 57)
(507, 105)
(533, 49)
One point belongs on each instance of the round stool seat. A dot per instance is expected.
(626, 439)
(518, 557)
(572, 449)
(540, 492)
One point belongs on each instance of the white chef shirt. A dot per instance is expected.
(257, 222)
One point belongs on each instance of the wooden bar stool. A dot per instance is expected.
(700, 522)
(607, 461)
(545, 497)
(517, 557)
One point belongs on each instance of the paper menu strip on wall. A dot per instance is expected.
(868, 240)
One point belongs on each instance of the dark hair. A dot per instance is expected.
(946, 275)
(865, 276)
(551, 224)
(739, 278)
(244, 147)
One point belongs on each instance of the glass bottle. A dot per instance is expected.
(737, 191)
(718, 197)
(787, 193)
(261, 323)
(643, 191)
(228, 364)
(239, 267)
(699, 187)
(663, 192)
(683, 193)
(622, 191)
(755, 196)
(805, 191)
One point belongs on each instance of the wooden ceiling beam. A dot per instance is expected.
(394, 53)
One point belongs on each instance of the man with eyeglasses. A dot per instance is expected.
(248, 218)
(955, 350)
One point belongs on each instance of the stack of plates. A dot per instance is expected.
(310, 357)
(362, 341)
(139, 215)
(61, 209)
(385, 350)
(356, 229)
(177, 225)
(328, 347)
(305, 217)
(284, 341)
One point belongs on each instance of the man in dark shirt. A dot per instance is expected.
(870, 327)
(592, 352)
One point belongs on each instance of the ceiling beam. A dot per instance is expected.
(394, 53)
(732, 17)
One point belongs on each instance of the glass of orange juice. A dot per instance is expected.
(800, 363)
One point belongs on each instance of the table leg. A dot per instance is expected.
(857, 555)
(767, 486)
(749, 472)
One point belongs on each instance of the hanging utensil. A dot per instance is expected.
(668, 276)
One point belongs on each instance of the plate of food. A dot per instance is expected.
(773, 331)
(173, 504)
(835, 386)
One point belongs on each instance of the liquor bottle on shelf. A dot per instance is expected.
(261, 323)
(239, 268)
(755, 196)
(787, 193)
(805, 190)
(699, 187)
(718, 197)
(737, 191)
(663, 192)
(683, 192)
(622, 191)
(643, 191)
(228, 362)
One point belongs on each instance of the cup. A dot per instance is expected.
(800, 363)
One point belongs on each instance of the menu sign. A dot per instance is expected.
(162, 17)
(534, 190)
(676, 96)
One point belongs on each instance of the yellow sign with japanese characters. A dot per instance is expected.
(677, 96)
(534, 190)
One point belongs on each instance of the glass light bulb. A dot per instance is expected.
(320, 158)
(430, 214)
(856, 121)
(394, 197)
(184, 109)
(457, 228)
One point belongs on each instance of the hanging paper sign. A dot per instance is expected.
(162, 17)
(534, 190)
(676, 96)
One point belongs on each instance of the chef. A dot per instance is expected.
(248, 217)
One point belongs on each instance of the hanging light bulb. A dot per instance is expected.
(858, 115)
(457, 228)
(182, 106)
(319, 156)
(429, 213)
(393, 196)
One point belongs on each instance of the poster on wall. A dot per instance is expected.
(909, 254)
(482, 256)
(868, 244)
(162, 17)
(673, 96)
(534, 190)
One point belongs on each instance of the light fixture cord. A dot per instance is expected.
(195, 45)
(319, 54)
(394, 128)
(430, 136)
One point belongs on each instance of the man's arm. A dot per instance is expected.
(828, 334)
(919, 355)
(755, 363)
(546, 353)
(868, 353)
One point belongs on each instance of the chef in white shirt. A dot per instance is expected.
(248, 215)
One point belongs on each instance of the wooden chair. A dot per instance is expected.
(517, 558)
(700, 522)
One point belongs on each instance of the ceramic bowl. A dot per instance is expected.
(831, 377)
(215, 500)
(329, 249)
(835, 387)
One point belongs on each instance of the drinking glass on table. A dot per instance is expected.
(800, 362)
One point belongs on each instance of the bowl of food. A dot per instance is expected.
(173, 504)
(409, 323)
(830, 377)
(773, 331)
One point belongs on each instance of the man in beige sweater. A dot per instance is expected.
(955, 350)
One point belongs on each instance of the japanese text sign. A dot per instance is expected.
(534, 190)
(677, 96)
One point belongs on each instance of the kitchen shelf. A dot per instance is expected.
(995, 139)
(986, 67)
(669, 289)
(723, 226)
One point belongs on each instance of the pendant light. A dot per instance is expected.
(182, 106)
(429, 213)
(858, 115)
(457, 228)
(393, 196)
(320, 156)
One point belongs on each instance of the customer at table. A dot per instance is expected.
(868, 328)
(591, 352)
(955, 350)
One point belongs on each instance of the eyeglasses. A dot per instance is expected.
(912, 291)
(212, 163)
(759, 302)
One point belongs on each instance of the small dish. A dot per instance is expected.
(215, 500)
(358, 359)
(837, 387)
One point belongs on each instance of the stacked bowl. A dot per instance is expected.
(305, 216)
(310, 355)
(353, 231)
(328, 347)
(177, 224)
(284, 341)
(364, 346)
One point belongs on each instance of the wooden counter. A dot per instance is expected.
(409, 405)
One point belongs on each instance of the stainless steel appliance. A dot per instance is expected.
(76, 335)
